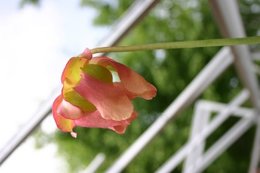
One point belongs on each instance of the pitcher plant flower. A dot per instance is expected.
(91, 97)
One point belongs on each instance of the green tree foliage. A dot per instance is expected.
(170, 71)
(34, 2)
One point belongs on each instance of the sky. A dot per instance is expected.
(35, 44)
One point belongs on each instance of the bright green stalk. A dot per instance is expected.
(180, 44)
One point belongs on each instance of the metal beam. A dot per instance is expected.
(135, 13)
(210, 72)
(27, 129)
(203, 110)
(200, 121)
(95, 163)
(213, 106)
(170, 164)
(224, 142)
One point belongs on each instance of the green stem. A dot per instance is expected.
(180, 44)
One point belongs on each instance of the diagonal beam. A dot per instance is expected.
(43, 111)
(132, 16)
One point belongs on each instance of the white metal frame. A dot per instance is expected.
(196, 160)
(95, 163)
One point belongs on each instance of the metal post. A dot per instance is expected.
(199, 122)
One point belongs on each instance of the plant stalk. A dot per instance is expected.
(180, 45)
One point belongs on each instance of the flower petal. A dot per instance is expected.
(63, 109)
(75, 99)
(72, 70)
(70, 77)
(69, 111)
(110, 100)
(66, 125)
(135, 84)
(94, 119)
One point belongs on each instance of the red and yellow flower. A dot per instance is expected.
(92, 98)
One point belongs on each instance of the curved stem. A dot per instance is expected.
(180, 44)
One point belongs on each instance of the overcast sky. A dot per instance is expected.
(35, 43)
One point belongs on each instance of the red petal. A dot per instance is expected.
(94, 119)
(69, 111)
(62, 123)
(110, 100)
(135, 84)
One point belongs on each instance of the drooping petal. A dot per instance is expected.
(110, 100)
(94, 119)
(64, 124)
(135, 85)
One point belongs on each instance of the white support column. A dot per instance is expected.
(199, 122)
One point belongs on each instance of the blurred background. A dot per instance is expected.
(37, 37)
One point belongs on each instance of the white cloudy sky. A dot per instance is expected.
(35, 43)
